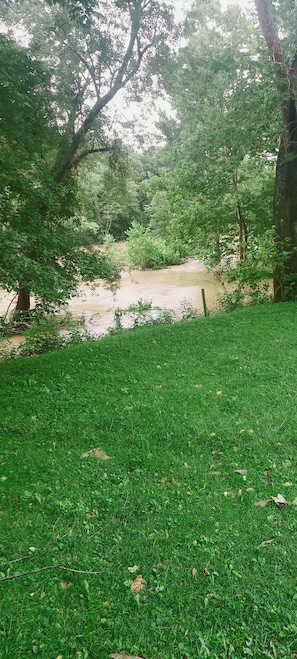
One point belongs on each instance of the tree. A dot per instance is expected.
(89, 59)
(278, 24)
(40, 241)
(92, 63)
(219, 144)
(109, 201)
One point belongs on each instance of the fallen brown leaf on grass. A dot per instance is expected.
(137, 584)
(241, 472)
(214, 473)
(194, 572)
(206, 572)
(122, 655)
(262, 503)
(280, 501)
(132, 569)
(96, 453)
(266, 542)
(65, 584)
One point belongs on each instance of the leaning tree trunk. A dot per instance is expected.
(285, 220)
(23, 301)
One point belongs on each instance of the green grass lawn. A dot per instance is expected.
(200, 422)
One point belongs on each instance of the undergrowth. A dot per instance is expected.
(46, 333)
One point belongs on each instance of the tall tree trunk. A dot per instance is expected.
(23, 301)
(285, 197)
(285, 220)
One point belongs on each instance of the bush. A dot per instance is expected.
(42, 336)
(250, 275)
(260, 261)
(145, 250)
(46, 334)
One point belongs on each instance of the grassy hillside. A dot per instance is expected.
(199, 422)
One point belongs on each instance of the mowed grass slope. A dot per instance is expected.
(200, 422)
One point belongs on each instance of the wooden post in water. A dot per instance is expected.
(204, 302)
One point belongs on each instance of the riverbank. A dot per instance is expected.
(165, 541)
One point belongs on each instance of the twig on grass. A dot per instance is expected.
(48, 567)
(22, 558)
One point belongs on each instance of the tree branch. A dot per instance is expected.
(89, 68)
(77, 159)
(271, 37)
(137, 65)
(64, 160)
(47, 567)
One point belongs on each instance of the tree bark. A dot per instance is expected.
(23, 301)
(285, 220)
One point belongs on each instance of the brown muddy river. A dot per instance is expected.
(171, 288)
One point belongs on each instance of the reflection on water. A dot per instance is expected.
(167, 288)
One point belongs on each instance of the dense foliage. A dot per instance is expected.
(54, 94)
(67, 176)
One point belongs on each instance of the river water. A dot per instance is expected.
(170, 288)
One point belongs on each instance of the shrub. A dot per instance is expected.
(148, 251)
(140, 314)
(46, 334)
(250, 275)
